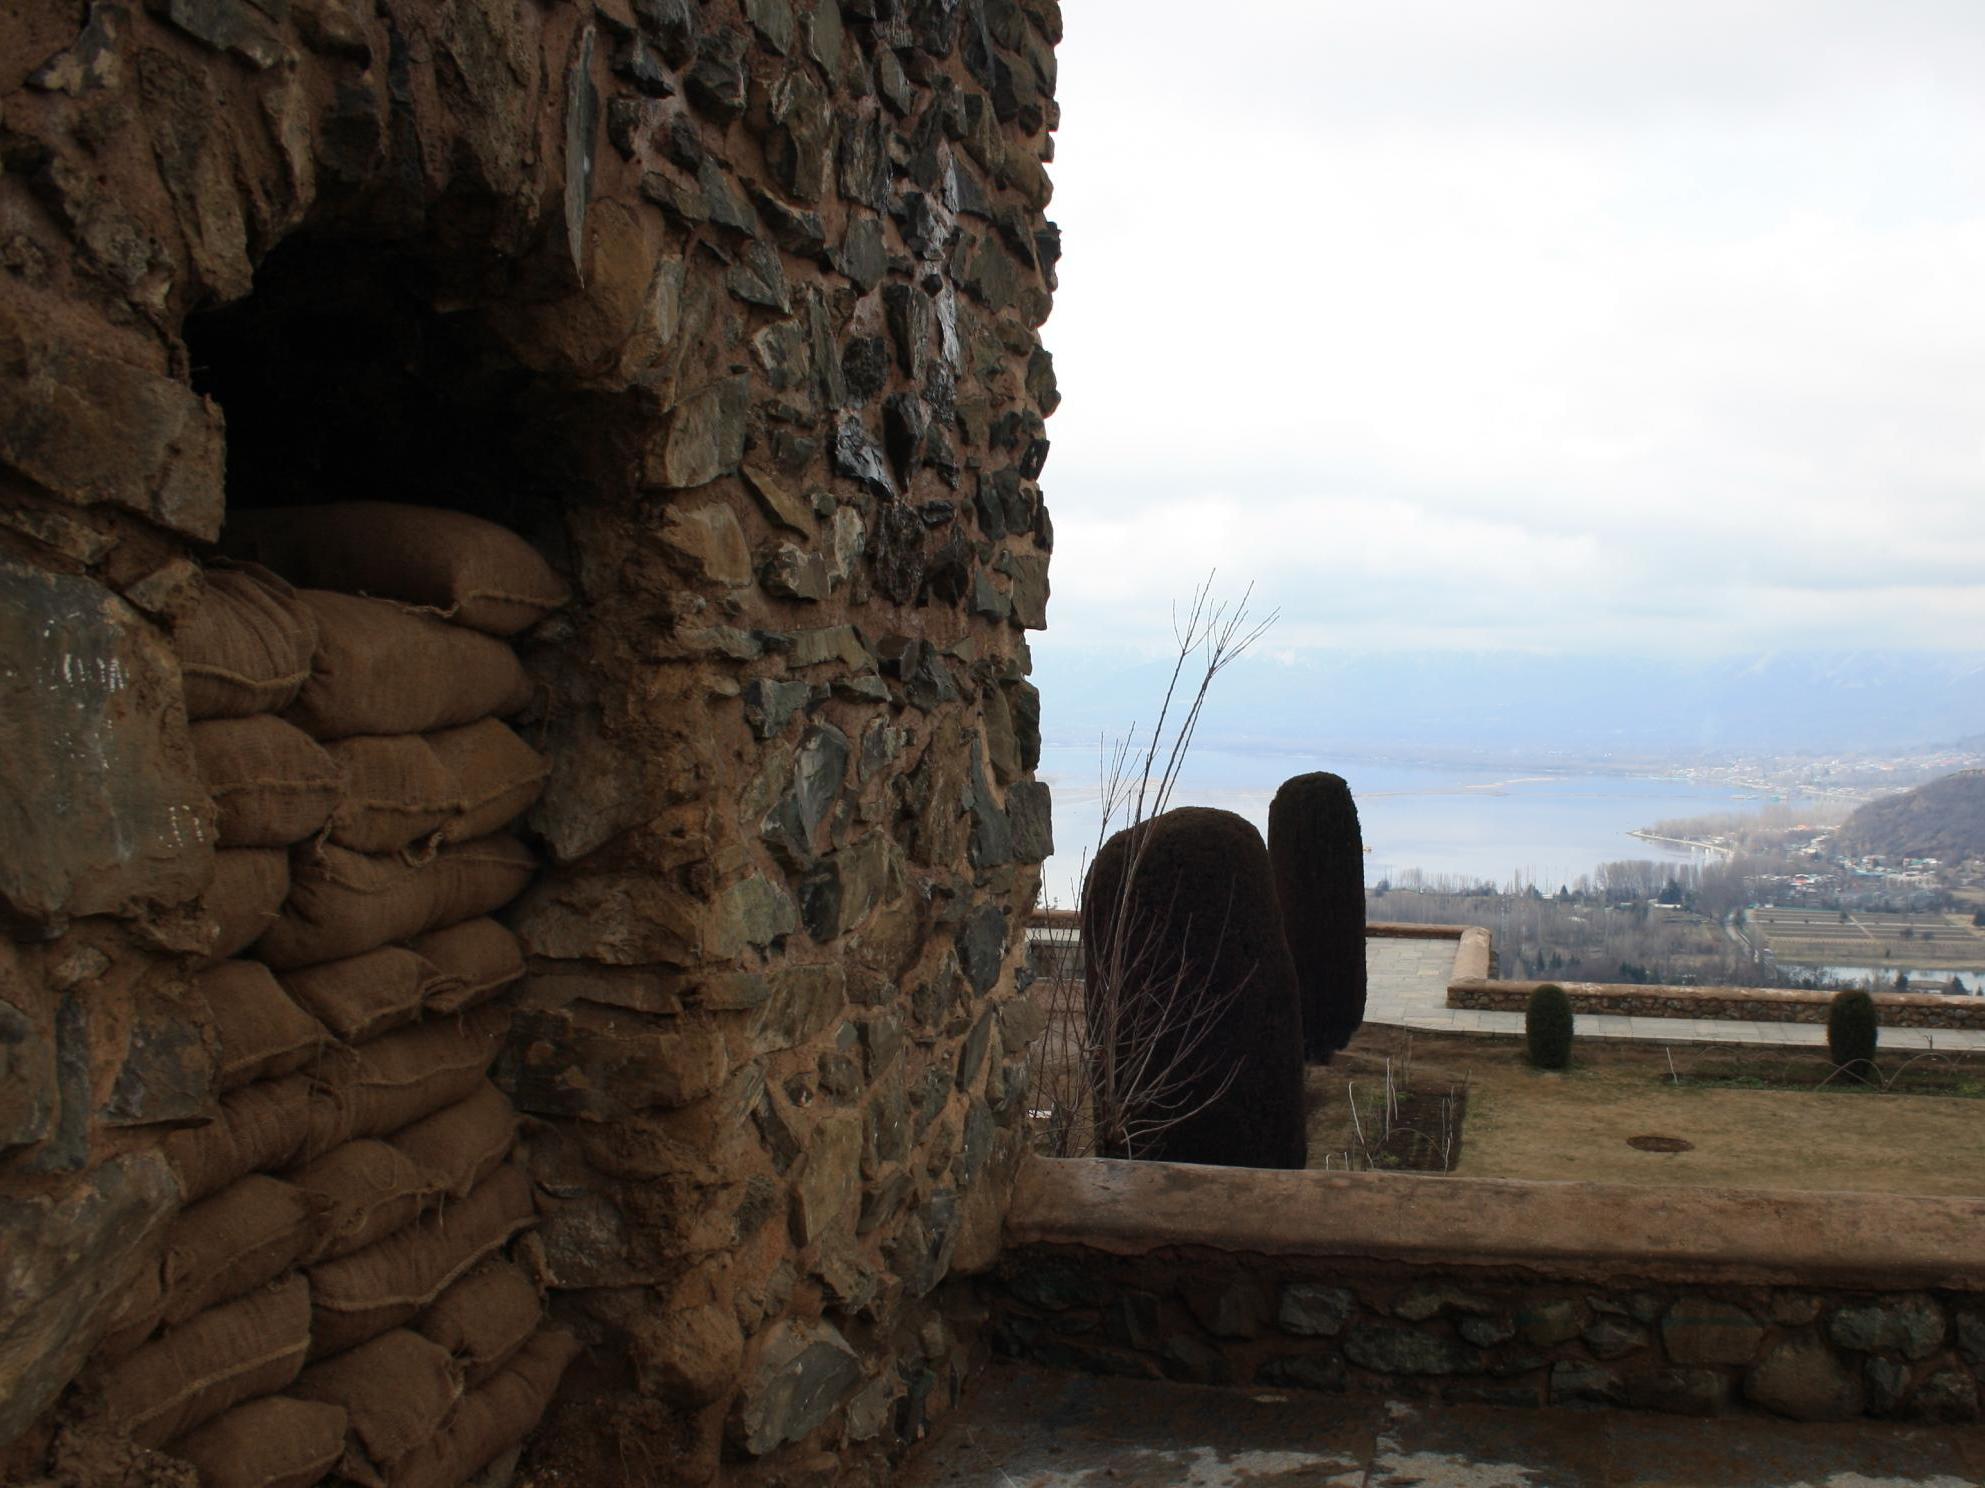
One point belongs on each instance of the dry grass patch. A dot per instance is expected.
(1751, 1118)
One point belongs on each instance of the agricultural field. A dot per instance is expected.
(1826, 937)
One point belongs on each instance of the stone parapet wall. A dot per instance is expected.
(1801, 1352)
(1413, 930)
(735, 310)
(1750, 1004)
(1515, 1294)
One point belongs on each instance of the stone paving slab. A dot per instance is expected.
(1022, 1427)
(1406, 987)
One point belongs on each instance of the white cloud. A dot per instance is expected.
(1420, 312)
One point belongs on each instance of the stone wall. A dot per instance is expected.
(1812, 1354)
(1753, 1004)
(733, 310)
(1816, 1307)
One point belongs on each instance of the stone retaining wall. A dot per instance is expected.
(1757, 1004)
(1514, 1294)
(732, 308)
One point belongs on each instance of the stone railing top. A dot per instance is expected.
(1412, 930)
(1590, 1232)
(1068, 919)
(1764, 997)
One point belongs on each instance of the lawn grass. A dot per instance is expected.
(1754, 1118)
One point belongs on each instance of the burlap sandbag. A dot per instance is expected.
(382, 669)
(476, 878)
(246, 896)
(274, 1442)
(243, 1237)
(474, 961)
(396, 792)
(363, 996)
(496, 776)
(493, 1419)
(473, 571)
(342, 903)
(247, 648)
(361, 1295)
(259, 1127)
(459, 1146)
(394, 1081)
(395, 1390)
(140, 1308)
(271, 782)
(228, 1354)
(368, 1190)
(483, 1319)
(262, 1033)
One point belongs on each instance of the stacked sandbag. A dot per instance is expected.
(261, 1031)
(492, 1418)
(252, 1346)
(459, 567)
(384, 669)
(273, 1442)
(396, 1392)
(336, 1296)
(245, 652)
(272, 783)
(247, 648)
(342, 903)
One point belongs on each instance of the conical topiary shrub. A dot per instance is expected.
(1319, 861)
(1547, 1027)
(1852, 1030)
(1194, 1033)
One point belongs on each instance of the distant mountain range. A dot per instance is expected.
(1944, 819)
(1515, 705)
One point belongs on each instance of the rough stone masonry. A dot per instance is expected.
(732, 310)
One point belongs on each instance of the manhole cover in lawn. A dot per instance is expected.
(1660, 1144)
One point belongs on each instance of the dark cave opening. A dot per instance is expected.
(341, 380)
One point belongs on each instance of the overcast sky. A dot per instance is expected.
(1524, 323)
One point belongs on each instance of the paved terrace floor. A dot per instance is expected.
(1029, 1428)
(1406, 986)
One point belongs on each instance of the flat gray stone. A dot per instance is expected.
(1700, 1330)
(65, 1261)
(101, 810)
(800, 1373)
(1911, 1326)
(1310, 1310)
(1802, 1378)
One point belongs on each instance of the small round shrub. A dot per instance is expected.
(1851, 1031)
(1547, 1027)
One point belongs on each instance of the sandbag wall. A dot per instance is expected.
(336, 1294)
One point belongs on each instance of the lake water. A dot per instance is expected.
(1490, 823)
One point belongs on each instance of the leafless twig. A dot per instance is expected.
(1127, 1034)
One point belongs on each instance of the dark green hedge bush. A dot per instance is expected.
(1851, 1033)
(1318, 856)
(1187, 978)
(1547, 1027)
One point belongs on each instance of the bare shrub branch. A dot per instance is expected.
(1121, 1062)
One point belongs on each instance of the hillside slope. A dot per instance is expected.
(1944, 819)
